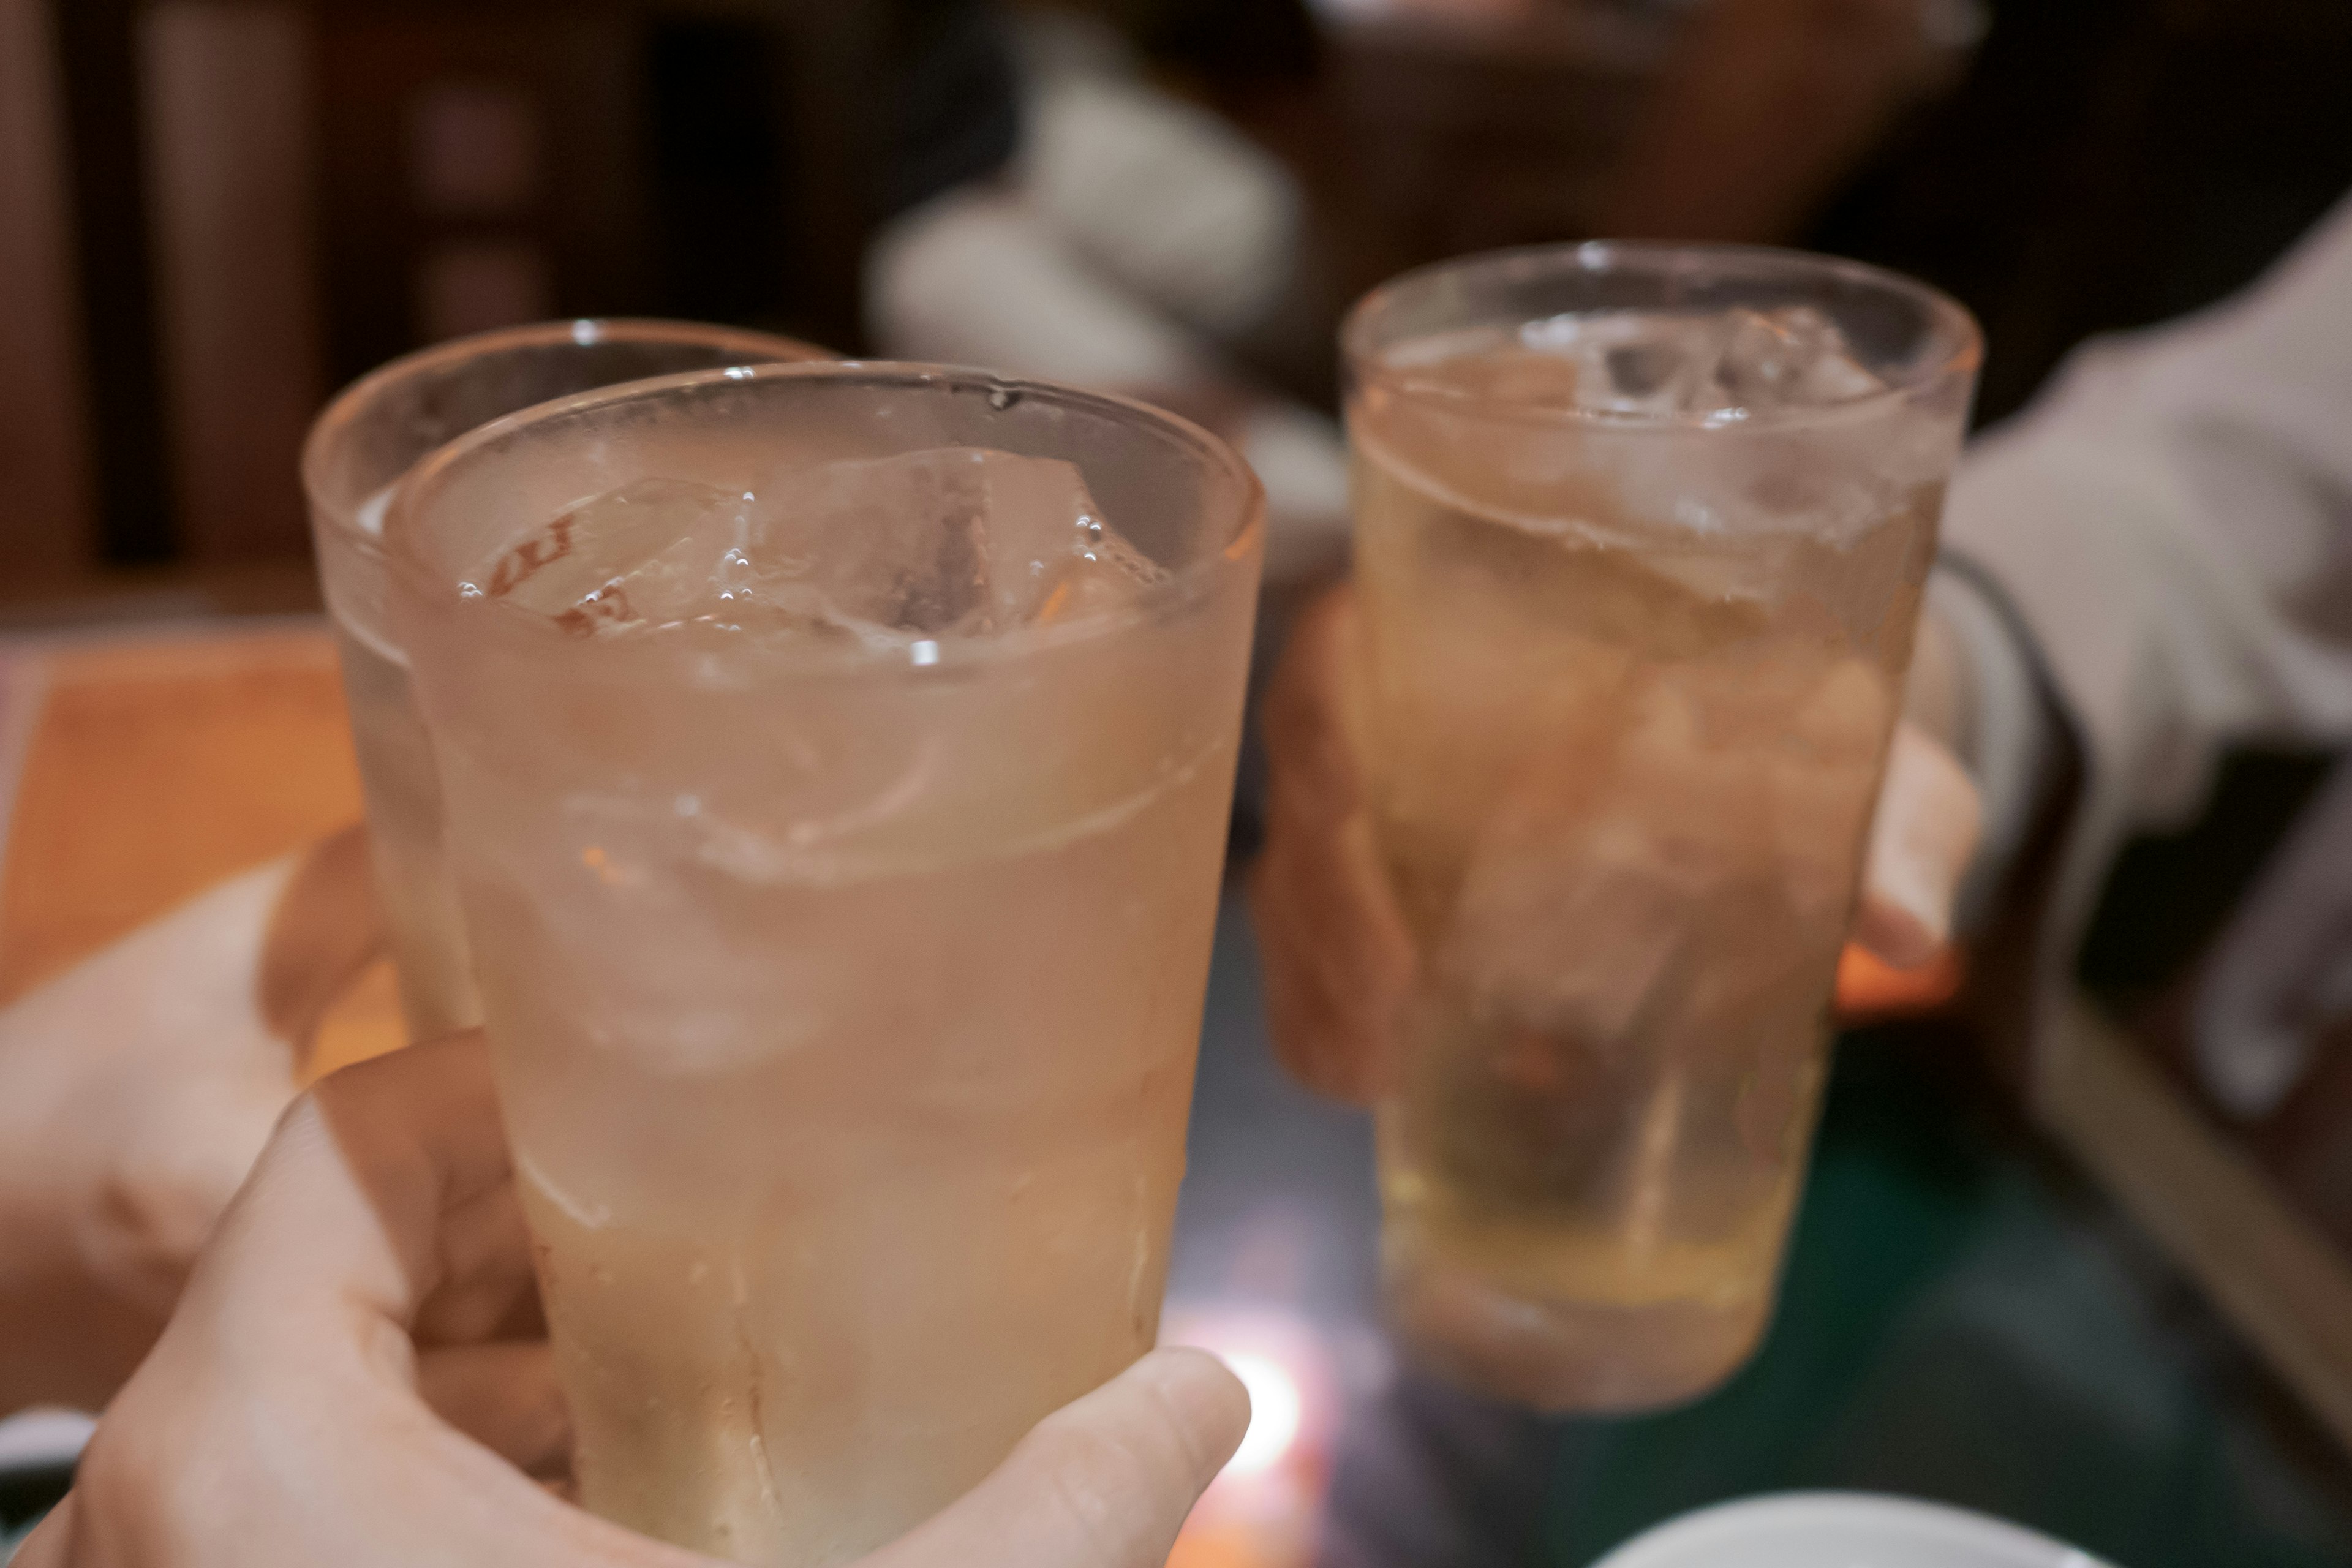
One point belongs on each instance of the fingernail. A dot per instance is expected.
(1916, 886)
(1207, 1401)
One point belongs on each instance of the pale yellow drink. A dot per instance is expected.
(1628, 673)
(842, 953)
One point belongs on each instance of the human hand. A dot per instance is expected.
(279, 1422)
(1337, 957)
(135, 1090)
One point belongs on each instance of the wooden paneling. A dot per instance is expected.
(229, 157)
(401, 258)
(98, 60)
(44, 517)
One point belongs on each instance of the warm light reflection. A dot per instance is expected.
(1275, 1408)
(1264, 1510)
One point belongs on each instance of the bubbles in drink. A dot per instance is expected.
(1794, 357)
(954, 542)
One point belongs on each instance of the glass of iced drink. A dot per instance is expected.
(367, 438)
(837, 760)
(1640, 533)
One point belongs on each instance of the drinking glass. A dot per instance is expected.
(836, 799)
(1640, 536)
(367, 438)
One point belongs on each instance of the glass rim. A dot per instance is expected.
(1665, 258)
(583, 331)
(1236, 542)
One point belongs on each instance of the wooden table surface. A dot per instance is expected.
(138, 768)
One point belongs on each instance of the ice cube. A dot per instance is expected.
(1612, 362)
(954, 541)
(653, 552)
(1102, 574)
(1790, 357)
(1578, 892)
(1573, 936)
(892, 542)
(1680, 861)
(1654, 363)
(1051, 554)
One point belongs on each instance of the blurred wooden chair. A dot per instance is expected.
(504, 160)
(240, 205)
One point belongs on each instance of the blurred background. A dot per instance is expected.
(215, 211)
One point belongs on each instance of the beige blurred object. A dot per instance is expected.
(45, 510)
(230, 152)
(1165, 197)
(1138, 237)
(974, 278)
(985, 275)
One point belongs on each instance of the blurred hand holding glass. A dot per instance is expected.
(1640, 536)
(837, 800)
(368, 437)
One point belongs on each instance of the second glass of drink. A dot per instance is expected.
(373, 431)
(1641, 535)
(837, 761)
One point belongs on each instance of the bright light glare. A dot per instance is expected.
(1275, 1410)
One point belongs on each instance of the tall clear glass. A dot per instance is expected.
(367, 438)
(836, 799)
(1641, 535)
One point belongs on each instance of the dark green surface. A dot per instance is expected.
(25, 1495)
(1963, 1320)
